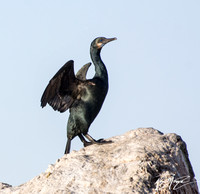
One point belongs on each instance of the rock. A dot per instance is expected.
(4, 185)
(140, 161)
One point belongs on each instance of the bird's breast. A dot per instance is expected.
(93, 92)
(90, 99)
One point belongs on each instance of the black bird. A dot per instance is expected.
(83, 98)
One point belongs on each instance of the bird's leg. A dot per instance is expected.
(68, 145)
(85, 143)
(93, 141)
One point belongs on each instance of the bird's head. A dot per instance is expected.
(99, 42)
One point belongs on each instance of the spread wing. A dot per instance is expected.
(62, 89)
(81, 74)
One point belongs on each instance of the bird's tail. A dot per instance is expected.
(68, 145)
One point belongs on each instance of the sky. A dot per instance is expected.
(153, 69)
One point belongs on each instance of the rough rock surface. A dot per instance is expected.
(140, 161)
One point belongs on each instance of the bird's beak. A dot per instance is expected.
(109, 40)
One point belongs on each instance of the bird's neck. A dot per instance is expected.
(100, 68)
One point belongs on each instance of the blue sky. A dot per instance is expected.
(153, 74)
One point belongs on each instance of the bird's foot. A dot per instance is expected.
(98, 142)
(92, 141)
(87, 143)
(102, 141)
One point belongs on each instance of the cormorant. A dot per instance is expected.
(83, 98)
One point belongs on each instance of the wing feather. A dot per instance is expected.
(81, 74)
(62, 90)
